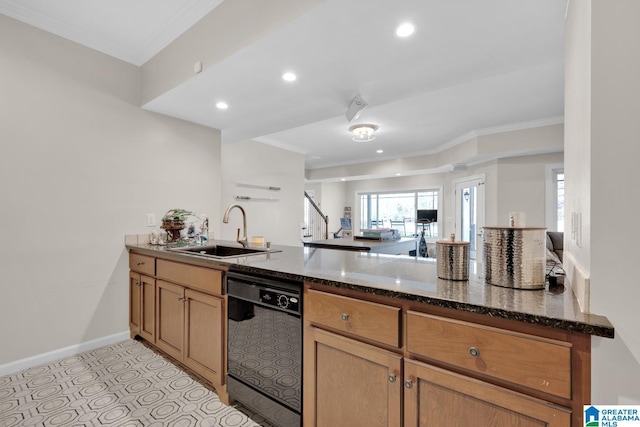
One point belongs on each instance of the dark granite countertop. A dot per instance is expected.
(392, 247)
(409, 278)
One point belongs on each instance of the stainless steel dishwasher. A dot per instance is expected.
(264, 347)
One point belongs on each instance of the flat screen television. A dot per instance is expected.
(345, 223)
(427, 215)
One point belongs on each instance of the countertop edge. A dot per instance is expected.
(603, 328)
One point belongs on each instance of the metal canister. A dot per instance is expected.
(453, 259)
(514, 257)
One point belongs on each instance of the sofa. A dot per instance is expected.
(555, 245)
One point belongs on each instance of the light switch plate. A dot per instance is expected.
(151, 220)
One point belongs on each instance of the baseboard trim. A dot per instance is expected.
(30, 362)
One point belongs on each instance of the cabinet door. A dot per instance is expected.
(170, 318)
(134, 303)
(436, 397)
(148, 308)
(350, 383)
(204, 335)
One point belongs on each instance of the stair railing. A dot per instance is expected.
(317, 223)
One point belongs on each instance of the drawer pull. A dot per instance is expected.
(474, 352)
(408, 383)
(345, 317)
(181, 299)
(392, 378)
(141, 263)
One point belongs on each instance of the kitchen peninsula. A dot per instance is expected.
(487, 352)
(391, 247)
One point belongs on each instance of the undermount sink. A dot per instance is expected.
(222, 251)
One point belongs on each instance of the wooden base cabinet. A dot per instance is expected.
(352, 384)
(430, 370)
(435, 397)
(181, 312)
(356, 384)
(142, 291)
(170, 315)
(142, 295)
(204, 337)
(190, 329)
(135, 296)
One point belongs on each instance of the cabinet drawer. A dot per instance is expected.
(191, 276)
(376, 322)
(534, 362)
(142, 263)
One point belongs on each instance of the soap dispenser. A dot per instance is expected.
(204, 229)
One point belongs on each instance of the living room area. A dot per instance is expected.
(482, 194)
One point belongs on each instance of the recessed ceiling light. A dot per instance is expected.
(405, 29)
(398, 174)
(379, 151)
(289, 77)
(222, 105)
(343, 179)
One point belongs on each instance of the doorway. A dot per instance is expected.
(469, 208)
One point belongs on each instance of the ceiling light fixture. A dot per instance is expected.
(289, 77)
(363, 132)
(405, 30)
(379, 151)
(222, 105)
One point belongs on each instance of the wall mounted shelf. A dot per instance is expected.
(261, 199)
(261, 187)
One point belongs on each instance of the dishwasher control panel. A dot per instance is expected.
(281, 299)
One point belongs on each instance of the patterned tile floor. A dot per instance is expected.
(125, 384)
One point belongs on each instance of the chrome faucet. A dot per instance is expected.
(243, 241)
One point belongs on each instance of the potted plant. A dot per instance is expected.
(173, 222)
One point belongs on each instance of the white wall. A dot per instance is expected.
(615, 287)
(334, 201)
(577, 162)
(81, 166)
(255, 163)
(608, 118)
(522, 187)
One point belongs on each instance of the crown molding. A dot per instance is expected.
(189, 14)
(495, 130)
(459, 140)
(137, 54)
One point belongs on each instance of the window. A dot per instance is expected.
(555, 197)
(559, 197)
(397, 210)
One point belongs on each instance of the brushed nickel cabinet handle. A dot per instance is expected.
(408, 383)
(392, 378)
(345, 317)
(473, 351)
